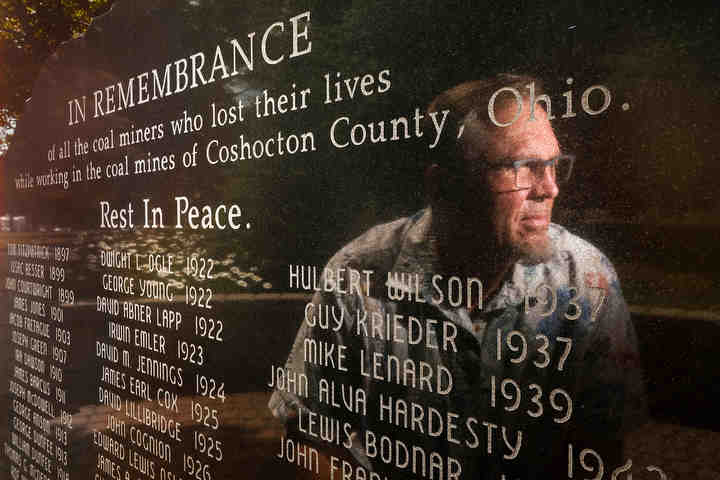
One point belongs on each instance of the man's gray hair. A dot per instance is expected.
(468, 105)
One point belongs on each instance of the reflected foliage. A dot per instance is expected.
(30, 31)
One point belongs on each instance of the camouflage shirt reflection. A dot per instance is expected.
(549, 360)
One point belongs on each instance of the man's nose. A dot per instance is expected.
(545, 186)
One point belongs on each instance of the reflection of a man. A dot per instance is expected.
(457, 379)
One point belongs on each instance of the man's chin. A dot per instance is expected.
(536, 249)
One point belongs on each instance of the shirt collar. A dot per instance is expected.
(419, 255)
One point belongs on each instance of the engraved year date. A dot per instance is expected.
(209, 328)
(190, 352)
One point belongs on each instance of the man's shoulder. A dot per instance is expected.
(377, 248)
(580, 257)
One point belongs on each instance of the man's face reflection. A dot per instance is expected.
(517, 219)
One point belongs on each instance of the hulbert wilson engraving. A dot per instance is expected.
(475, 339)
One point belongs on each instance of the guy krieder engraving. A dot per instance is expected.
(474, 339)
